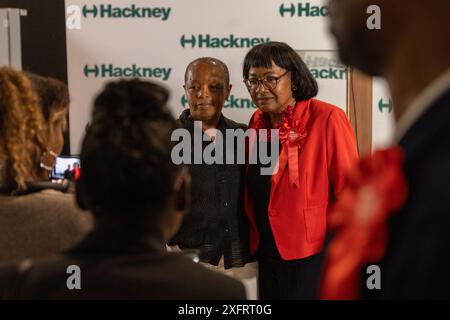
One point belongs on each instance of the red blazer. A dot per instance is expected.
(76, 174)
(298, 213)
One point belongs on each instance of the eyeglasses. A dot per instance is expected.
(269, 82)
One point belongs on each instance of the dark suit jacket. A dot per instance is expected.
(114, 266)
(417, 261)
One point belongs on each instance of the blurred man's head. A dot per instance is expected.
(128, 177)
(207, 86)
(358, 45)
(404, 24)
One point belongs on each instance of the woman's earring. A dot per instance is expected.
(53, 154)
(294, 88)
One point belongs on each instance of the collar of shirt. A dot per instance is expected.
(221, 125)
(421, 103)
(115, 238)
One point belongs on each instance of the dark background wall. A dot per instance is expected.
(43, 40)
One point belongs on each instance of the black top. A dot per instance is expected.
(118, 263)
(216, 223)
(259, 187)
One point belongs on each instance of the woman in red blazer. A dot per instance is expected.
(287, 210)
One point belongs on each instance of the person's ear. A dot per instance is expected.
(182, 191)
(230, 86)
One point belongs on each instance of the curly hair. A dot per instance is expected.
(22, 130)
(53, 96)
(126, 153)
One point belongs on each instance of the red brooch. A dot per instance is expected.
(376, 188)
(292, 134)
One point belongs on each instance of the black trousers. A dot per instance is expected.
(288, 280)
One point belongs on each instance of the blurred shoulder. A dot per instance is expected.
(210, 284)
(46, 208)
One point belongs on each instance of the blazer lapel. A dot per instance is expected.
(427, 127)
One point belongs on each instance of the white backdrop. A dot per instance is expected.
(162, 42)
(382, 114)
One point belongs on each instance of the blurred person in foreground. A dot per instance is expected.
(37, 218)
(396, 212)
(136, 210)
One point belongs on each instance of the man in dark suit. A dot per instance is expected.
(411, 50)
(138, 197)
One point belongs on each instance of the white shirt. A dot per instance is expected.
(421, 103)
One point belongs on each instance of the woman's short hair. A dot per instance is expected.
(126, 166)
(261, 56)
(23, 130)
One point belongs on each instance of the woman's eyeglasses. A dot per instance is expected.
(269, 82)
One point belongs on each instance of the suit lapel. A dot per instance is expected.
(427, 128)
